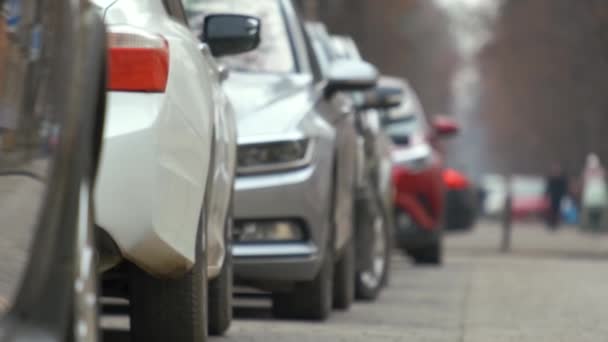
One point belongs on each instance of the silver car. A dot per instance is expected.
(374, 192)
(296, 164)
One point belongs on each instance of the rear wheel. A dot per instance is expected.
(308, 300)
(170, 309)
(344, 278)
(220, 290)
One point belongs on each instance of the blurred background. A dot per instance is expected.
(525, 79)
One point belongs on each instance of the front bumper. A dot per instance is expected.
(303, 195)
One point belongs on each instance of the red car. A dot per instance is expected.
(418, 177)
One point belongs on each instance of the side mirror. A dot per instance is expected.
(382, 97)
(230, 34)
(350, 75)
(445, 126)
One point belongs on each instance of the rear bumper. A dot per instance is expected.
(148, 193)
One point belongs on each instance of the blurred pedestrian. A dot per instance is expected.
(595, 194)
(556, 190)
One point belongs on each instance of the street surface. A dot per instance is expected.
(551, 287)
(19, 215)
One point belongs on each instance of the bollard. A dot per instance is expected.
(507, 224)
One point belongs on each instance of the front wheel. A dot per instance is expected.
(374, 241)
(308, 300)
(344, 278)
(220, 291)
(170, 309)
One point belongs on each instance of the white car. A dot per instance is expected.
(164, 191)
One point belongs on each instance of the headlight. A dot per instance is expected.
(274, 156)
(415, 158)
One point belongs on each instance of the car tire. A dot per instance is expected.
(369, 282)
(220, 290)
(431, 255)
(344, 278)
(308, 300)
(170, 309)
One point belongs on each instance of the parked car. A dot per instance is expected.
(460, 202)
(371, 106)
(52, 72)
(296, 162)
(418, 176)
(529, 199)
(164, 193)
(373, 195)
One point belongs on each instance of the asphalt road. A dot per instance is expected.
(551, 287)
(18, 214)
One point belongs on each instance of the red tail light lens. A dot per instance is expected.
(454, 180)
(137, 60)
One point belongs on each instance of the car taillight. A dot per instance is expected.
(137, 60)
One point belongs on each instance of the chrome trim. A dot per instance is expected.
(271, 138)
(270, 180)
(274, 250)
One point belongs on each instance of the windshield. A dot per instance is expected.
(274, 55)
(401, 123)
(402, 128)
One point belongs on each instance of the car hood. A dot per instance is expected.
(269, 104)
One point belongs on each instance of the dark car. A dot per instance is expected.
(460, 202)
(52, 60)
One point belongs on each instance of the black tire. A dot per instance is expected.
(308, 300)
(170, 309)
(220, 291)
(366, 289)
(431, 255)
(344, 278)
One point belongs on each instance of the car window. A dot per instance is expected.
(401, 122)
(176, 10)
(402, 127)
(315, 64)
(275, 53)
